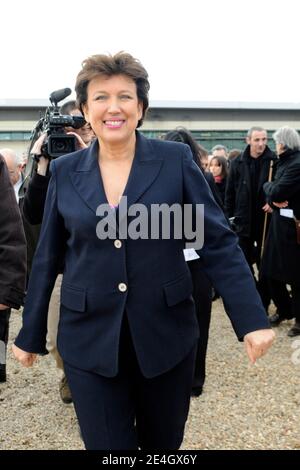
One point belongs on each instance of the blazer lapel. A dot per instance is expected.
(145, 168)
(88, 183)
(87, 180)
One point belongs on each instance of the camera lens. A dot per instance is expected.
(60, 145)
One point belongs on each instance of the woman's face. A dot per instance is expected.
(214, 167)
(112, 108)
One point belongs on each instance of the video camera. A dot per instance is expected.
(53, 123)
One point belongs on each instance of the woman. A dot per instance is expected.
(218, 166)
(281, 258)
(128, 330)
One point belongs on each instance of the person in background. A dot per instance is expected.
(245, 200)
(33, 209)
(128, 331)
(15, 165)
(232, 154)
(202, 288)
(218, 166)
(203, 155)
(281, 259)
(12, 260)
(85, 132)
(219, 151)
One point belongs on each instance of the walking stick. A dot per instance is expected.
(266, 214)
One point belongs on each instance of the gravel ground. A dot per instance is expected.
(242, 407)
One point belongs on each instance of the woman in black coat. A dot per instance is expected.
(202, 287)
(218, 167)
(281, 262)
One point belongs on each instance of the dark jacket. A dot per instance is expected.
(221, 187)
(35, 198)
(213, 187)
(146, 278)
(281, 258)
(239, 197)
(12, 244)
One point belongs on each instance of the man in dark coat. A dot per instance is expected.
(15, 168)
(12, 260)
(281, 260)
(245, 200)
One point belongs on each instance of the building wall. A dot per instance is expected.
(209, 126)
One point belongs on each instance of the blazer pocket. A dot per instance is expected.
(73, 298)
(178, 290)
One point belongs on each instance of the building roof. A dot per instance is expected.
(168, 104)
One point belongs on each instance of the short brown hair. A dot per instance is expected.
(121, 63)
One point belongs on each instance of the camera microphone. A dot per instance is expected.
(59, 95)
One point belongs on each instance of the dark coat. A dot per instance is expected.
(146, 278)
(238, 195)
(35, 198)
(281, 258)
(221, 187)
(12, 244)
(32, 211)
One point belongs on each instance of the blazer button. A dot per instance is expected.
(117, 243)
(122, 287)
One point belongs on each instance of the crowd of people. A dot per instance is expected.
(127, 318)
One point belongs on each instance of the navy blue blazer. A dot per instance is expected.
(158, 299)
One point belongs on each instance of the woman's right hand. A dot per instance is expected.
(25, 358)
(37, 150)
(37, 147)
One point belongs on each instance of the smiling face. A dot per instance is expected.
(113, 109)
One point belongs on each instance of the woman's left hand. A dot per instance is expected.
(258, 342)
(25, 358)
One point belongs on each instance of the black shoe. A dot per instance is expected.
(294, 331)
(64, 391)
(2, 373)
(196, 391)
(276, 319)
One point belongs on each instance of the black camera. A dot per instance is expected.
(57, 142)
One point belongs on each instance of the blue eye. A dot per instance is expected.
(101, 98)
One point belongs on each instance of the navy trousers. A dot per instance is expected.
(130, 411)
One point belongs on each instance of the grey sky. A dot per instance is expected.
(230, 50)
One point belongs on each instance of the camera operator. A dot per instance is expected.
(33, 210)
(85, 132)
(34, 201)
